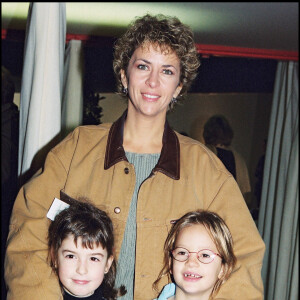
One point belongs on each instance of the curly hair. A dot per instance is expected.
(83, 220)
(219, 234)
(217, 130)
(168, 33)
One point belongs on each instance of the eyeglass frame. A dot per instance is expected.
(189, 252)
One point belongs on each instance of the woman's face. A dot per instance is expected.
(152, 79)
(194, 278)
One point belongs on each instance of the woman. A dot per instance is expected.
(218, 135)
(138, 170)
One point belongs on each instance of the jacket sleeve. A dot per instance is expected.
(245, 282)
(27, 271)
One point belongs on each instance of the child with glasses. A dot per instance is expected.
(198, 257)
(81, 243)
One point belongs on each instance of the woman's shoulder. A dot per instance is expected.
(87, 132)
(82, 137)
(193, 152)
(188, 144)
(186, 141)
(94, 128)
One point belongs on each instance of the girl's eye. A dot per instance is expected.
(168, 72)
(70, 256)
(205, 255)
(95, 259)
(142, 67)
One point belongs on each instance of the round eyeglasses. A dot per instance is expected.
(205, 256)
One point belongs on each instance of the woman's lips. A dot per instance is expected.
(150, 97)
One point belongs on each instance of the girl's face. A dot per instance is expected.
(195, 280)
(81, 270)
(152, 79)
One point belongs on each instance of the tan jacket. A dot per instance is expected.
(91, 162)
(242, 174)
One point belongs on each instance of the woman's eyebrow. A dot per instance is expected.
(148, 62)
(144, 60)
(168, 66)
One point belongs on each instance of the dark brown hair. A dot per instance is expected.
(166, 32)
(217, 130)
(82, 219)
(219, 234)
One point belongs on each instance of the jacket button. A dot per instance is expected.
(117, 210)
(126, 170)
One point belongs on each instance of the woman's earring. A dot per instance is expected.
(174, 100)
(125, 90)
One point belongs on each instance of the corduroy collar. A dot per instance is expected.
(169, 160)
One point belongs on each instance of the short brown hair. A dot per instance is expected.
(165, 32)
(83, 219)
(219, 234)
(217, 130)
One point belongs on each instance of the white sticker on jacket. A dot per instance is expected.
(56, 207)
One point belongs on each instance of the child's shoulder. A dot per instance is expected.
(168, 292)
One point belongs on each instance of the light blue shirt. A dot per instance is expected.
(143, 165)
(167, 292)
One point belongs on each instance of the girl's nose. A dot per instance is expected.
(82, 268)
(193, 260)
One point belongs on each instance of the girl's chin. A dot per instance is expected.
(78, 293)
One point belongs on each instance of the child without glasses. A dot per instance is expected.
(81, 243)
(198, 257)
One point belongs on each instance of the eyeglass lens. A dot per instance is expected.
(205, 256)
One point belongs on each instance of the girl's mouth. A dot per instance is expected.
(192, 276)
(80, 281)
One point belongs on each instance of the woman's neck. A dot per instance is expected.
(143, 134)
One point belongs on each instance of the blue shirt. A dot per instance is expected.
(167, 292)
